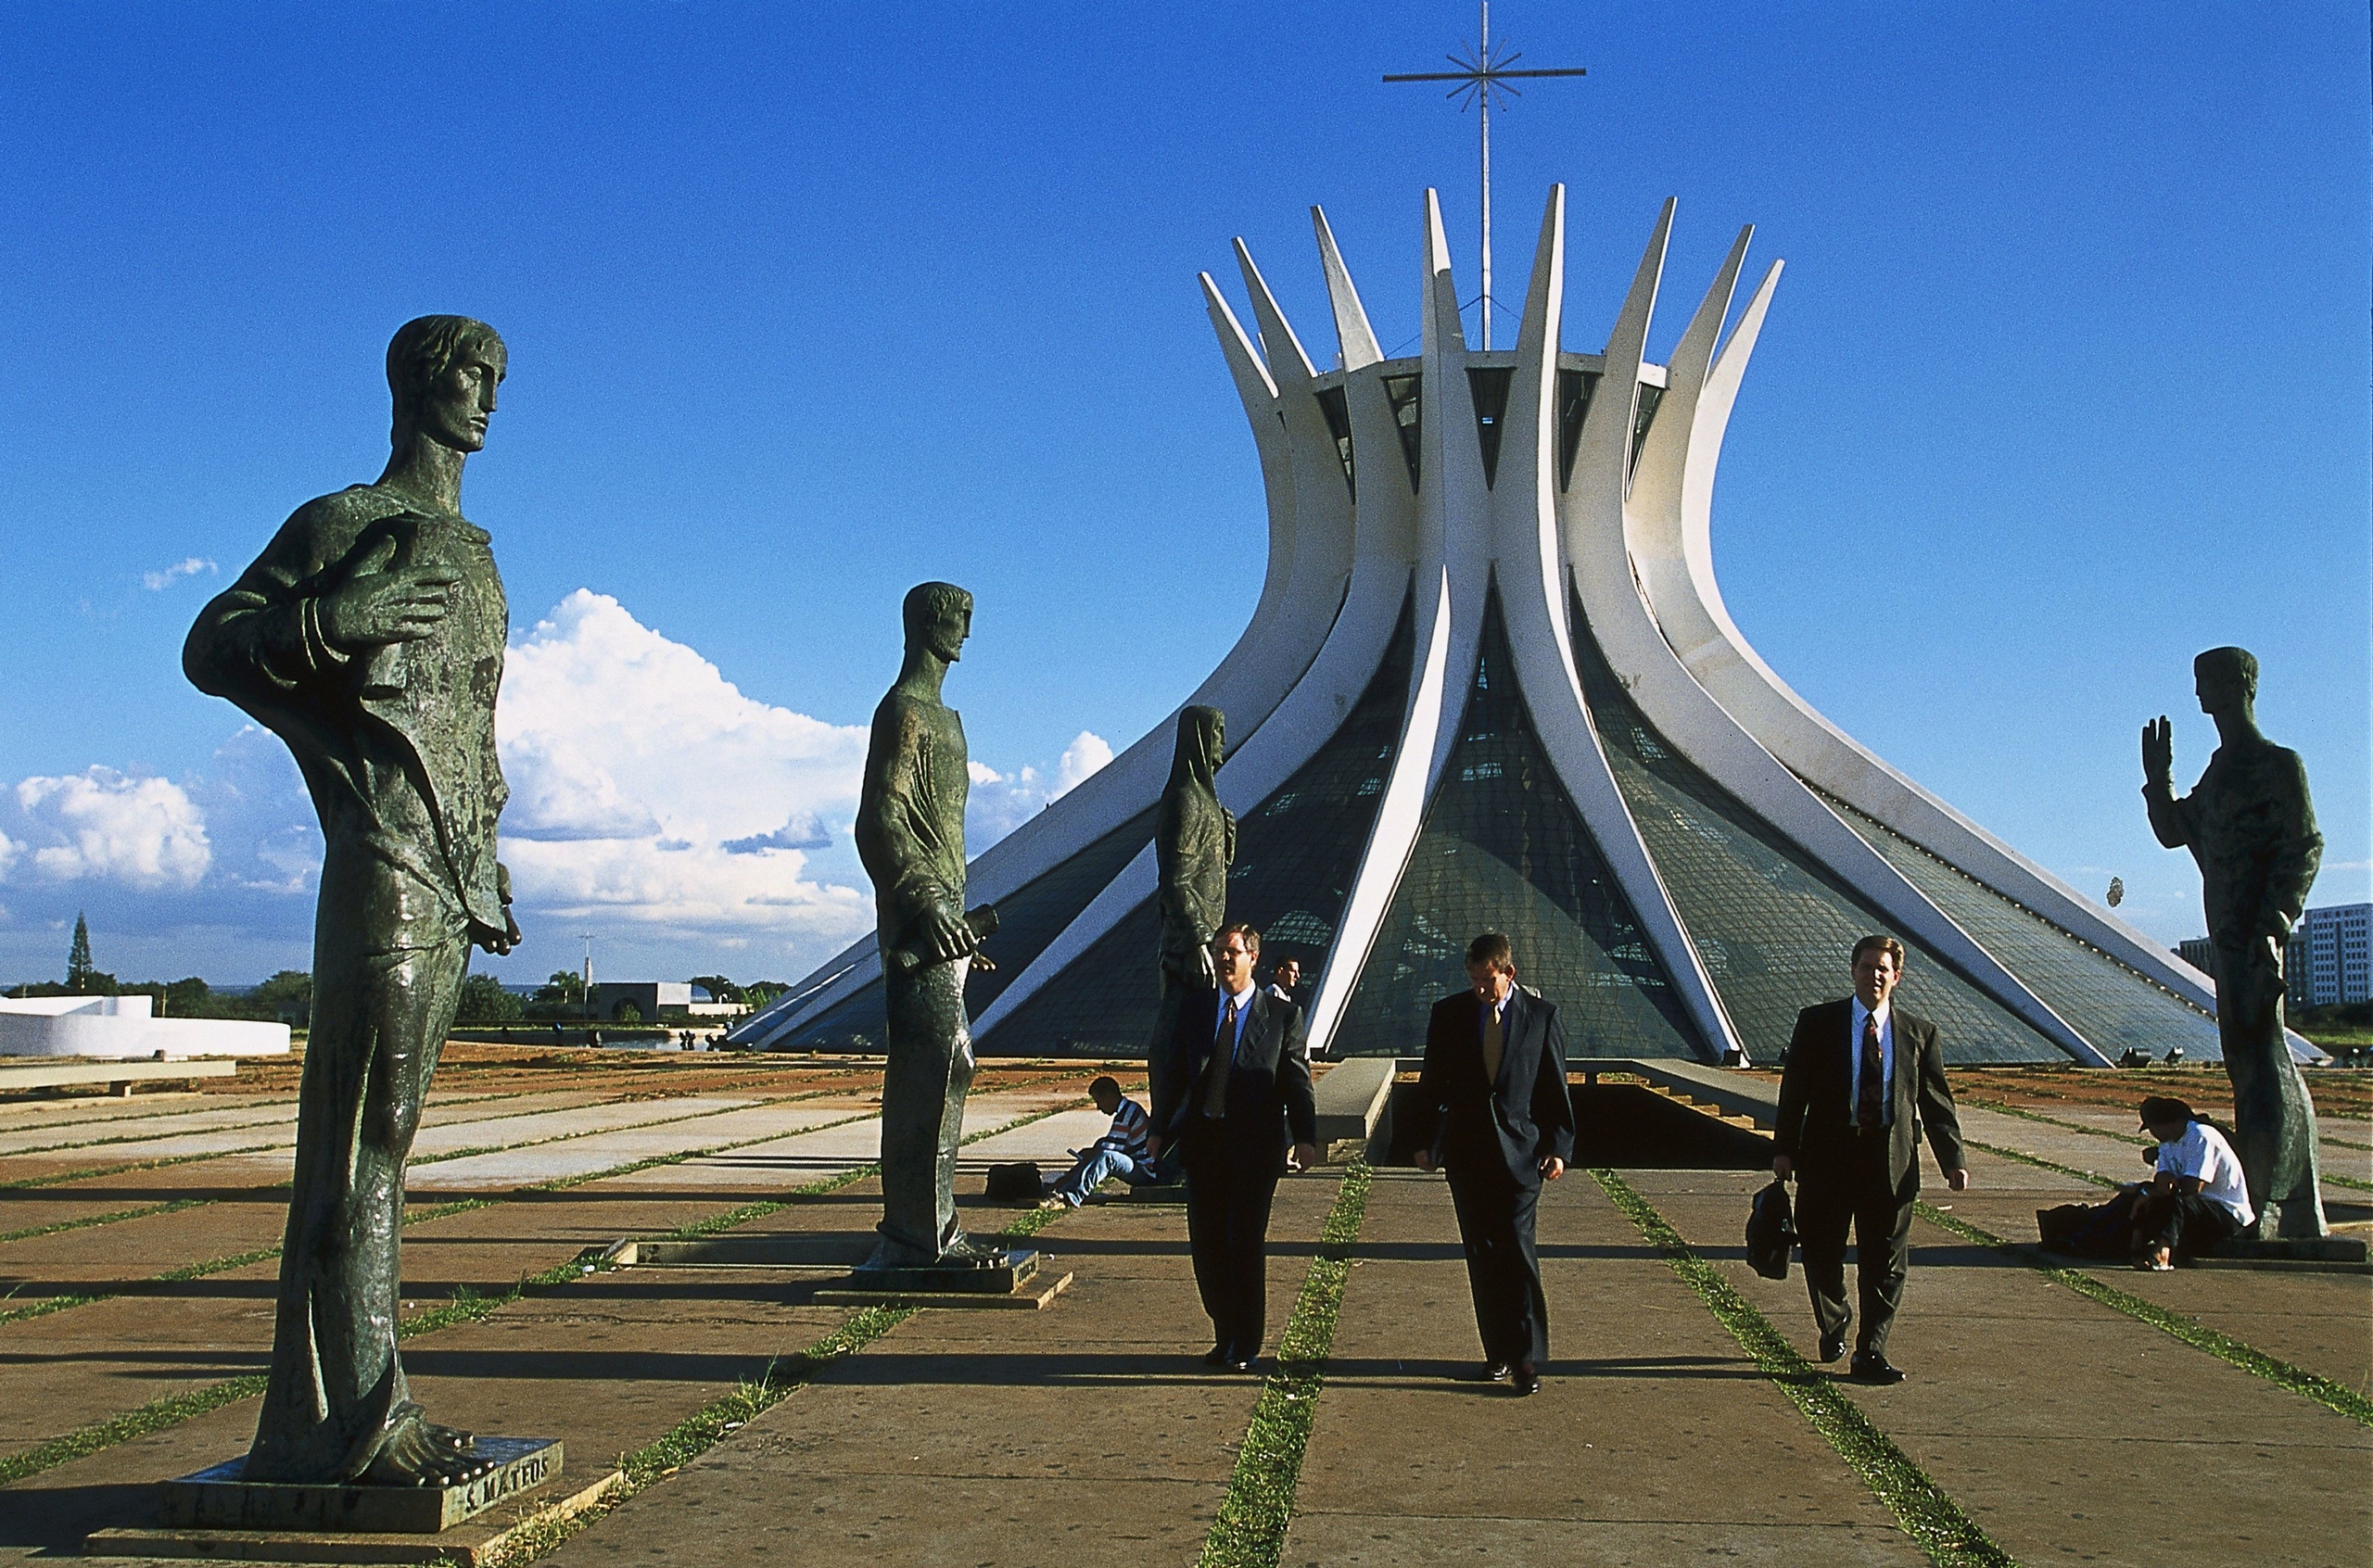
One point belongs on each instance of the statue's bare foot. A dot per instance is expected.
(419, 1452)
(964, 1250)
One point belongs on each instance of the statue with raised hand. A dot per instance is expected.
(1194, 844)
(2251, 827)
(910, 837)
(368, 636)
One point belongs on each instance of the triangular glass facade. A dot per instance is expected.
(1296, 854)
(2112, 1006)
(1030, 917)
(1504, 849)
(1774, 927)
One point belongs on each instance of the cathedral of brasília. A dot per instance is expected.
(1491, 685)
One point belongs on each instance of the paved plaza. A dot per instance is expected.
(2209, 1416)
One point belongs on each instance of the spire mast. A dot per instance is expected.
(1481, 74)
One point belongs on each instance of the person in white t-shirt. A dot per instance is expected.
(2199, 1197)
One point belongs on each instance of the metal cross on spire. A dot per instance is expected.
(1482, 72)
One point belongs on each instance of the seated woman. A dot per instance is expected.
(2199, 1197)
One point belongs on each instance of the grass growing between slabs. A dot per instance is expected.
(1250, 1529)
(2333, 1395)
(1950, 1537)
(463, 1307)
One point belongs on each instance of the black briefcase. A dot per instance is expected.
(1018, 1182)
(1770, 1232)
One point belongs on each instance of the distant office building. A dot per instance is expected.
(2200, 953)
(2330, 957)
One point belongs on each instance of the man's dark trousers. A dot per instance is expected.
(1495, 1221)
(1855, 1189)
(1227, 1232)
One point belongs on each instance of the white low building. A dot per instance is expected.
(124, 1028)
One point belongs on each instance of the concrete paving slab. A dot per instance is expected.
(1046, 1141)
(580, 1157)
(117, 1135)
(521, 1127)
(799, 1156)
(1074, 1435)
(1654, 1438)
(1408, 1540)
(2057, 1421)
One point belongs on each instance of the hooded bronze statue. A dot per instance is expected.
(2251, 826)
(369, 636)
(1194, 844)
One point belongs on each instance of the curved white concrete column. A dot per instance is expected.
(1531, 597)
(1672, 533)
(1596, 524)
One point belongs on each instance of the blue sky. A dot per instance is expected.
(2068, 371)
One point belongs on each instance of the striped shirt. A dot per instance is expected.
(1128, 1134)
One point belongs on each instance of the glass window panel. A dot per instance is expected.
(1338, 410)
(1296, 856)
(1028, 919)
(1504, 849)
(1774, 927)
(1490, 389)
(2114, 1007)
(1402, 392)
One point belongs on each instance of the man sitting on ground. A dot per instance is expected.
(2199, 1199)
(1121, 1152)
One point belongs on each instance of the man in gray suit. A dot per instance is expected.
(1861, 1080)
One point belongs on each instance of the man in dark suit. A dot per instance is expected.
(1861, 1080)
(1501, 1123)
(1235, 1076)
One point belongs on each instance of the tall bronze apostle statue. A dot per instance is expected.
(910, 836)
(368, 636)
(2252, 828)
(1194, 840)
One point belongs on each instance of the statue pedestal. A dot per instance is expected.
(1015, 1281)
(215, 1514)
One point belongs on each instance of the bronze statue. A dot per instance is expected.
(368, 636)
(2251, 827)
(1194, 844)
(910, 836)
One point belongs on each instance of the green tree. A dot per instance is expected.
(565, 986)
(628, 1013)
(718, 987)
(757, 993)
(79, 968)
(286, 997)
(484, 1001)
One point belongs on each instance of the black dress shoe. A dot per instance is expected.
(1872, 1367)
(1242, 1363)
(1833, 1345)
(1524, 1379)
(1488, 1371)
(1218, 1356)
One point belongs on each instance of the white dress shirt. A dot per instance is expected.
(1886, 1059)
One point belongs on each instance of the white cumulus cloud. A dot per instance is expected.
(104, 826)
(648, 788)
(1084, 756)
(158, 582)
